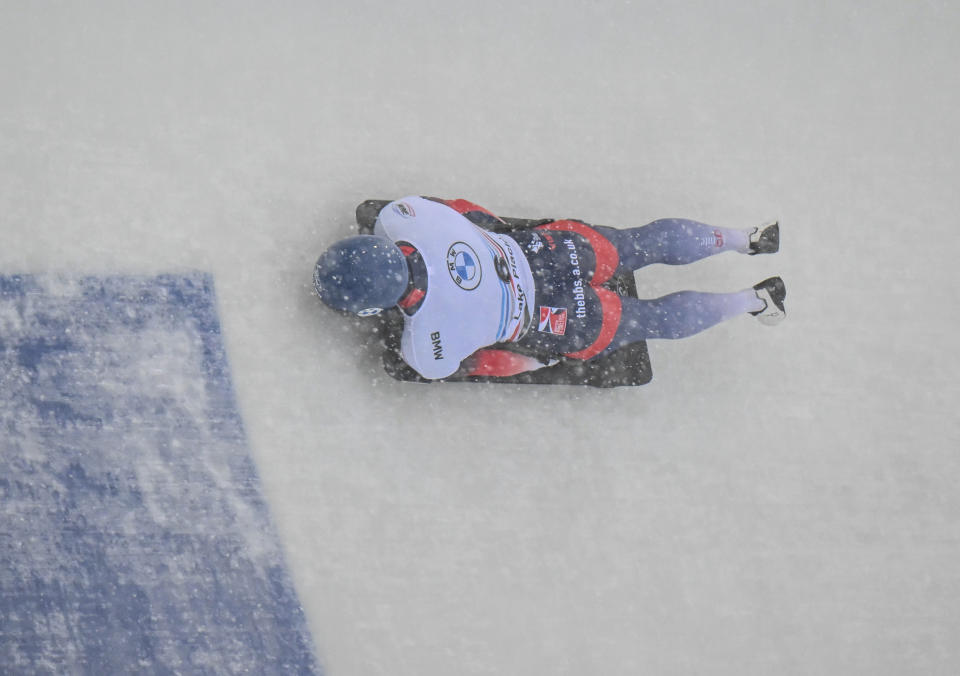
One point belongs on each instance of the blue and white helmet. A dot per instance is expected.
(364, 275)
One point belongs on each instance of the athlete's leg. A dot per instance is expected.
(679, 315)
(674, 241)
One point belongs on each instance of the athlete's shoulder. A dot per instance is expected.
(409, 208)
(414, 213)
(439, 209)
(473, 212)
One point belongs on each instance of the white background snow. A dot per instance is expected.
(776, 501)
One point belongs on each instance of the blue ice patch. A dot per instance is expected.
(133, 533)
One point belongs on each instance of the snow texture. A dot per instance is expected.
(776, 501)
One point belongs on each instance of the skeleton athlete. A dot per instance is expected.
(479, 302)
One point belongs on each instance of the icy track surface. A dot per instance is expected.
(776, 501)
(135, 537)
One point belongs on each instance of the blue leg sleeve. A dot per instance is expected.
(674, 241)
(679, 315)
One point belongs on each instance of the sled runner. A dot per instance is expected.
(630, 365)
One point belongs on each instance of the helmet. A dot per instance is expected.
(362, 274)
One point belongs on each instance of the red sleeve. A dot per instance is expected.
(475, 213)
(465, 207)
(499, 363)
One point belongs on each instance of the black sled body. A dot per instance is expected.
(630, 365)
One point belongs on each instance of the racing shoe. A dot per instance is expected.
(765, 239)
(772, 292)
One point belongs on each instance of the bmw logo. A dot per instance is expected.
(463, 264)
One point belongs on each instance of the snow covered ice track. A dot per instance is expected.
(777, 501)
(134, 535)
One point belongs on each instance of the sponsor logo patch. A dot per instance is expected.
(463, 264)
(404, 210)
(535, 244)
(578, 297)
(437, 346)
(715, 241)
(552, 320)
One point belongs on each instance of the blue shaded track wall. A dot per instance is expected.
(133, 534)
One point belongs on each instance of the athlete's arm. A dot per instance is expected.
(472, 212)
(501, 363)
